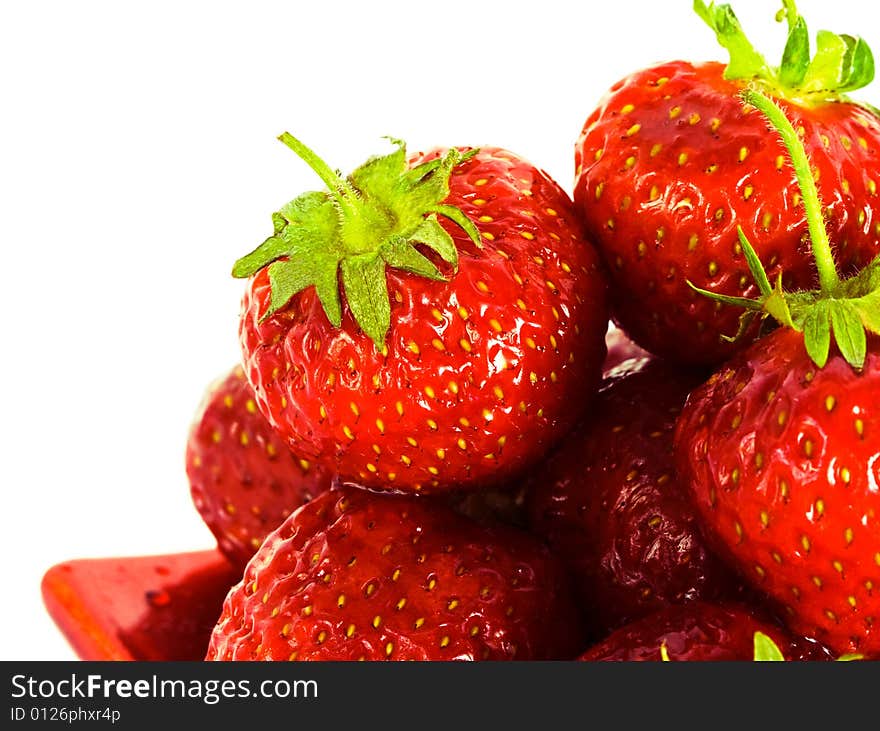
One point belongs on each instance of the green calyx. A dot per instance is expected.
(766, 650)
(844, 310)
(842, 63)
(377, 217)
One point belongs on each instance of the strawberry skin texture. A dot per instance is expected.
(478, 375)
(698, 632)
(357, 575)
(610, 504)
(783, 460)
(243, 478)
(669, 165)
(620, 348)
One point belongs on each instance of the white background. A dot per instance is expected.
(138, 160)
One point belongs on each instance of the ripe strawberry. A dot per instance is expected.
(356, 574)
(780, 446)
(243, 478)
(669, 166)
(139, 608)
(458, 355)
(703, 632)
(609, 503)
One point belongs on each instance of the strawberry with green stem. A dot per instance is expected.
(609, 503)
(470, 334)
(780, 447)
(668, 167)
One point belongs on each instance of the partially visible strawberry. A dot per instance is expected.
(244, 479)
(701, 632)
(460, 352)
(780, 446)
(156, 608)
(669, 166)
(610, 504)
(784, 465)
(362, 575)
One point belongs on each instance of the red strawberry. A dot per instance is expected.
(244, 479)
(609, 503)
(457, 356)
(361, 575)
(139, 608)
(669, 166)
(702, 632)
(780, 447)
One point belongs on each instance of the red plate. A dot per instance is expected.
(139, 608)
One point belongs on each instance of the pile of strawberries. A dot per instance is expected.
(437, 449)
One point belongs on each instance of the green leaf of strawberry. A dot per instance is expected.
(796, 56)
(781, 444)
(372, 219)
(745, 61)
(363, 277)
(667, 168)
(435, 237)
(817, 334)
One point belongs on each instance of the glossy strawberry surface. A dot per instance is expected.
(783, 460)
(139, 607)
(243, 477)
(478, 376)
(699, 632)
(610, 504)
(361, 575)
(669, 165)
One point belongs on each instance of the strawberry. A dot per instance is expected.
(702, 631)
(669, 166)
(609, 503)
(780, 446)
(140, 607)
(459, 352)
(356, 574)
(243, 478)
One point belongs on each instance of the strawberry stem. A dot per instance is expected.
(828, 276)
